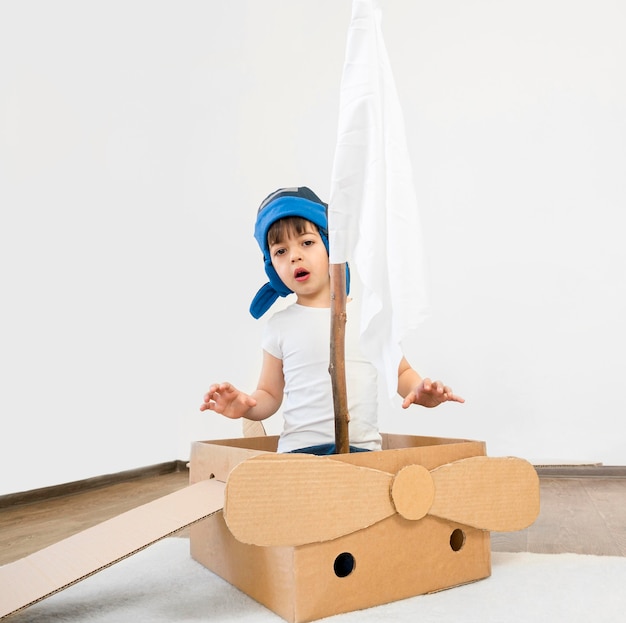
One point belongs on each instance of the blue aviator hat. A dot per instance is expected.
(282, 203)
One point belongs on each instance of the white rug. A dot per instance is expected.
(163, 584)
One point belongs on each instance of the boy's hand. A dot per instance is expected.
(429, 394)
(227, 400)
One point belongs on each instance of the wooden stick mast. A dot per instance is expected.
(337, 367)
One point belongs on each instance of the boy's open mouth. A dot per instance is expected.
(300, 274)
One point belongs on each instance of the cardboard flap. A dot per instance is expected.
(50, 570)
(497, 494)
(295, 499)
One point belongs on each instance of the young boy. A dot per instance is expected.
(291, 230)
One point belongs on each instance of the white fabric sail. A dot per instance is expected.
(373, 217)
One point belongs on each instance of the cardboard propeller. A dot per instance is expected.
(308, 499)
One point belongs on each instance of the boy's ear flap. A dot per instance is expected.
(263, 300)
(266, 296)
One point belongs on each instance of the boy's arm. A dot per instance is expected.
(268, 395)
(227, 400)
(416, 390)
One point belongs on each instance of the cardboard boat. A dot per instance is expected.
(311, 537)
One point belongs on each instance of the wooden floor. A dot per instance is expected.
(580, 515)
(585, 515)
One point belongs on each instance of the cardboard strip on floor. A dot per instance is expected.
(54, 568)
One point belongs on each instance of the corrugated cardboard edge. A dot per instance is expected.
(54, 568)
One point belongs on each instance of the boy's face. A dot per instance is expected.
(301, 262)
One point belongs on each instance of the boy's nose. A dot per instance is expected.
(295, 256)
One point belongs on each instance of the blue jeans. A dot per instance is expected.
(323, 449)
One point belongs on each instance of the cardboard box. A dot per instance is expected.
(393, 559)
(377, 530)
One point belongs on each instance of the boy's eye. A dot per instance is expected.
(280, 251)
(308, 243)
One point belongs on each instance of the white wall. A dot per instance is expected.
(137, 139)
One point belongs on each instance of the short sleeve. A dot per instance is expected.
(270, 340)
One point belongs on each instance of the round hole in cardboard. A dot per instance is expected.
(457, 539)
(344, 565)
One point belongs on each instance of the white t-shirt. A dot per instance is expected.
(300, 337)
